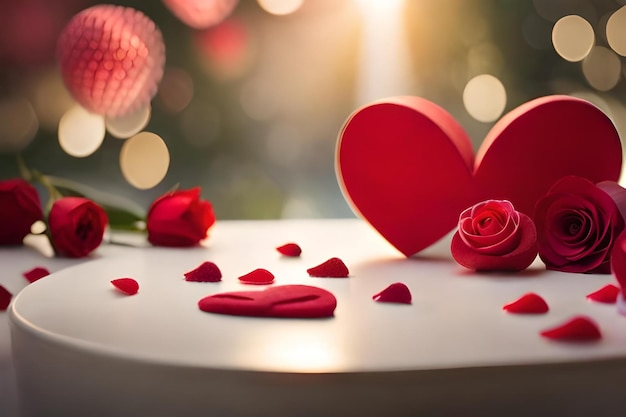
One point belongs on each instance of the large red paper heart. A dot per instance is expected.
(408, 168)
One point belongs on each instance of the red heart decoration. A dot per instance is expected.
(407, 167)
(290, 301)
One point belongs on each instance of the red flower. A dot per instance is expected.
(492, 235)
(577, 224)
(76, 226)
(179, 218)
(19, 208)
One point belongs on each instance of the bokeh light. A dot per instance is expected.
(602, 68)
(50, 99)
(111, 59)
(484, 98)
(128, 125)
(616, 31)
(80, 132)
(572, 38)
(144, 160)
(225, 49)
(18, 124)
(176, 90)
(281, 7)
(201, 14)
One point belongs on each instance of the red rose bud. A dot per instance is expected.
(179, 219)
(76, 226)
(577, 223)
(19, 208)
(492, 235)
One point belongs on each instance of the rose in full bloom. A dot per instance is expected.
(492, 235)
(179, 218)
(577, 223)
(76, 226)
(19, 209)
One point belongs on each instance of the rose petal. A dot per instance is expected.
(517, 260)
(577, 329)
(205, 272)
(35, 274)
(529, 303)
(289, 249)
(127, 286)
(332, 268)
(395, 293)
(607, 294)
(259, 276)
(5, 298)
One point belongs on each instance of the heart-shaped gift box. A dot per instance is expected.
(407, 166)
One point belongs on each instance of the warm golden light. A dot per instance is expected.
(280, 7)
(126, 126)
(384, 68)
(484, 98)
(602, 68)
(144, 160)
(616, 31)
(80, 132)
(573, 38)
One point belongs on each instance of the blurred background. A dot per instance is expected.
(250, 108)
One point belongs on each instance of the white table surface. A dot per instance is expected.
(367, 244)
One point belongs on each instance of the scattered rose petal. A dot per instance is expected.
(607, 294)
(289, 301)
(259, 276)
(395, 293)
(36, 273)
(529, 303)
(577, 329)
(332, 268)
(5, 298)
(289, 249)
(205, 272)
(126, 285)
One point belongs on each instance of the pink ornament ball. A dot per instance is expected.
(201, 14)
(111, 59)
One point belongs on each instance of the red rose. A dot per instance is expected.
(19, 208)
(577, 224)
(492, 235)
(179, 218)
(76, 226)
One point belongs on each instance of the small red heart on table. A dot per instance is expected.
(408, 168)
(289, 301)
